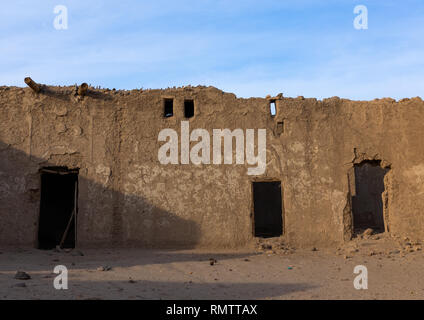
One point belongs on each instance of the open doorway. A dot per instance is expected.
(367, 203)
(58, 208)
(267, 207)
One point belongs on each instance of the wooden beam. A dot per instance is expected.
(33, 85)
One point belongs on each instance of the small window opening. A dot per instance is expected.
(188, 108)
(168, 108)
(58, 208)
(280, 127)
(267, 207)
(272, 108)
(367, 203)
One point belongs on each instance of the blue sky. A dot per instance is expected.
(251, 48)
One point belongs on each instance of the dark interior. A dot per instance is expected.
(188, 108)
(267, 204)
(367, 204)
(58, 194)
(168, 108)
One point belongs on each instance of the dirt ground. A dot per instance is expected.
(271, 270)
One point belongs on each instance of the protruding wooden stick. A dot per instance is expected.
(67, 229)
(33, 85)
(82, 89)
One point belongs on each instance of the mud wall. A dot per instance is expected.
(127, 197)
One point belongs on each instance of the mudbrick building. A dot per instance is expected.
(80, 167)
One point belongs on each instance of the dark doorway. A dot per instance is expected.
(268, 213)
(367, 204)
(58, 208)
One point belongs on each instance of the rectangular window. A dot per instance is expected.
(272, 108)
(188, 108)
(168, 108)
(280, 127)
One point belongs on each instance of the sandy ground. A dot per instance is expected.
(395, 271)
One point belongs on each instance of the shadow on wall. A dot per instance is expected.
(104, 217)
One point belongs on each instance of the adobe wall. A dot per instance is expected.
(127, 197)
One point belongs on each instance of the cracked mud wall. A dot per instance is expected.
(323, 141)
(126, 197)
